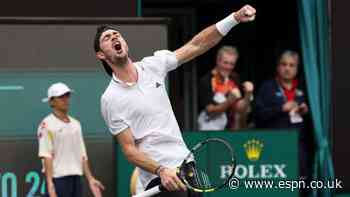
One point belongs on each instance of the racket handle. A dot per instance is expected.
(150, 192)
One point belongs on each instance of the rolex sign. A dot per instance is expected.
(260, 155)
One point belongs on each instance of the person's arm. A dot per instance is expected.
(95, 185)
(46, 138)
(232, 98)
(303, 109)
(220, 108)
(211, 35)
(206, 98)
(48, 165)
(87, 171)
(132, 153)
(248, 88)
(48, 169)
(266, 109)
(168, 176)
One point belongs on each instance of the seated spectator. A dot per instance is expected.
(280, 103)
(222, 102)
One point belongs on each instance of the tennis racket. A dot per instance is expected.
(200, 171)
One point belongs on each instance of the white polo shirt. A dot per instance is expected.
(64, 143)
(146, 109)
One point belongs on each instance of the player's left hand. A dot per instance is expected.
(245, 14)
(96, 187)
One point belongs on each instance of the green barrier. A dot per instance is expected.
(343, 195)
(261, 155)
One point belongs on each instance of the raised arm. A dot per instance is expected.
(211, 35)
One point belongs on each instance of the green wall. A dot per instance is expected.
(22, 108)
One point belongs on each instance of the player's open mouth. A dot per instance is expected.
(118, 47)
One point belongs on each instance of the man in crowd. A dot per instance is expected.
(223, 103)
(281, 103)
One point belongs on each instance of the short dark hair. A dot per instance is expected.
(99, 31)
(289, 53)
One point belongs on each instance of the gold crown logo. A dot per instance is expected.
(253, 149)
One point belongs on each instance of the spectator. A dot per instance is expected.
(280, 103)
(221, 100)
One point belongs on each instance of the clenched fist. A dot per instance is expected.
(245, 14)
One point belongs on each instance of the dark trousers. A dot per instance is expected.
(157, 181)
(67, 186)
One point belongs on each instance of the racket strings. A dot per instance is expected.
(198, 178)
(206, 182)
(210, 162)
(203, 171)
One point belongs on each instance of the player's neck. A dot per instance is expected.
(126, 73)
(61, 115)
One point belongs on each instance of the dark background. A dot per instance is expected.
(68, 8)
(341, 89)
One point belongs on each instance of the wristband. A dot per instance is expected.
(226, 24)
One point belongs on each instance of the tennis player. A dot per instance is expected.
(136, 107)
(62, 149)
